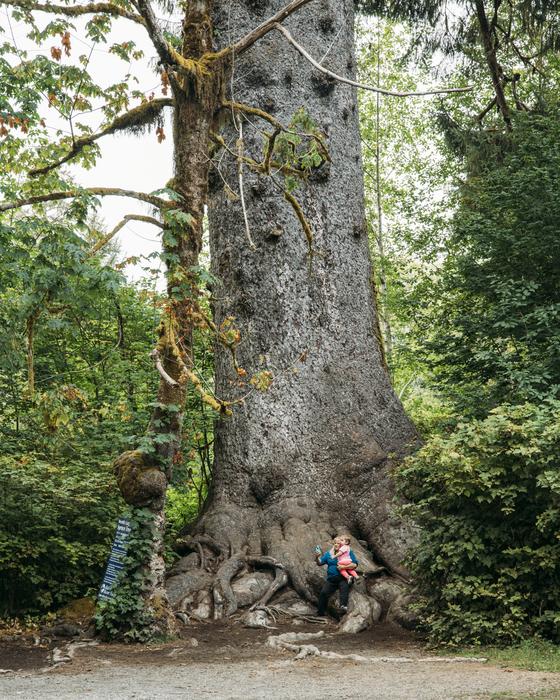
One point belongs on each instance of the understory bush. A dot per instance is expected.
(58, 520)
(487, 499)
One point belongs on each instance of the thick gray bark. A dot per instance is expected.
(313, 454)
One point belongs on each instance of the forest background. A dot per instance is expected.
(463, 201)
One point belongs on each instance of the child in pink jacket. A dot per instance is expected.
(342, 553)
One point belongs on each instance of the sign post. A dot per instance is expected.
(116, 559)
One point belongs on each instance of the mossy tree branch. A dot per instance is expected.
(109, 237)
(95, 191)
(134, 119)
(167, 344)
(264, 167)
(278, 126)
(94, 8)
(296, 206)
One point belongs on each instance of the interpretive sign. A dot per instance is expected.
(116, 559)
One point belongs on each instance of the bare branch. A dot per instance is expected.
(492, 61)
(528, 60)
(129, 217)
(348, 81)
(240, 151)
(94, 8)
(136, 118)
(249, 39)
(155, 32)
(296, 206)
(96, 191)
(485, 111)
(159, 366)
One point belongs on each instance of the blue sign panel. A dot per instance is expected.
(116, 559)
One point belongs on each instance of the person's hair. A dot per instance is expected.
(343, 537)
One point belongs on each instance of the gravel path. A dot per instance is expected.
(229, 662)
(283, 679)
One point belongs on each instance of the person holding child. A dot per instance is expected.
(341, 565)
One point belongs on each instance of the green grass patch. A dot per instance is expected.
(530, 655)
(539, 695)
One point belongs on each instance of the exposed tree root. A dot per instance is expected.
(222, 591)
(276, 613)
(280, 578)
(218, 576)
(289, 642)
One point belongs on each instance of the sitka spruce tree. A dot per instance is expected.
(310, 427)
(312, 455)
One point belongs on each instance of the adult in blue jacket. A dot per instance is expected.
(335, 580)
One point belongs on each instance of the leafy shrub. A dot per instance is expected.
(181, 508)
(58, 519)
(487, 499)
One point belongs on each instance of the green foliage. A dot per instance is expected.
(468, 286)
(94, 390)
(57, 522)
(409, 187)
(181, 508)
(93, 383)
(429, 412)
(126, 616)
(468, 290)
(487, 497)
(497, 317)
(299, 150)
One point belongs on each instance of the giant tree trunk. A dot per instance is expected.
(313, 455)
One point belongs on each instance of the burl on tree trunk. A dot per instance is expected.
(312, 456)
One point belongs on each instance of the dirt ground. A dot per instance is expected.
(230, 662)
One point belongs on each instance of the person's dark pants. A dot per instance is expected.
(330, 586)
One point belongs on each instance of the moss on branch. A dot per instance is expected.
(134, 121)
(94, 8)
